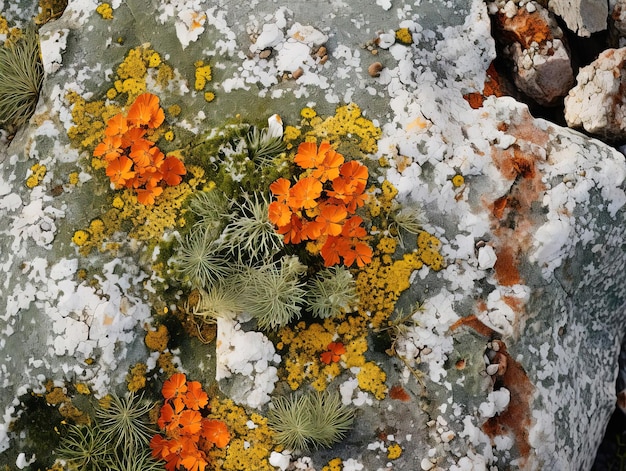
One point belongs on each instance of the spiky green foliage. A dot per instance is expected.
(222, 300)
(199, 261)
(262, 146)
(250, 236)
(274, 293)
(310, 420)
(126, 424)
(84, 448)
(211, 209)
(407, 219)
(332, 291)
(21, 75)
(140, 461)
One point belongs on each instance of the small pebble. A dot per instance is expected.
(374, 69)
(297, 73)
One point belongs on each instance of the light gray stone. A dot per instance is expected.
(583, 17)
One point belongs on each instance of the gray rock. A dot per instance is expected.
(597, 103)
(518, 332)
(583, 17)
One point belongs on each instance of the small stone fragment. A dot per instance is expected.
(374, 69)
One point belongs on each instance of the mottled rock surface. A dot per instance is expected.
(583, 17)
(597, 103)
(520, 302)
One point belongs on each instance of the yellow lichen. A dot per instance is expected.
(166, 363)
(154, 60)
(38, 172)
(174, 110)
(372, 379)
(251, 439)
(136, 377)
(394, 451)
(168, 136)
(404, 36)
(209, 96)
(73, 178)
(118, 202)
(336, 464)
(202, 75)
(105, 11)
(156, 340)
(82, 388)
(308, 113)
(458, 180)
(80, 237)
(347, 124)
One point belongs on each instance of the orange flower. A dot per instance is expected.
(348, 192)
(333, 248)
(195, 398)
(175, 386)
(279, 213)
(216, 431)
(333, 355)
(132, 136)
(140, 152)
(109, 148)
(304, 193)
(172, 170)
(117, 125)
(147, 195)
(119, 171)
(292, 230)
(168, 417)
(354, 171)
(309, 156)
(352, 227)
(193, 462)
(190, 422)
(332, 217)
(329, 168)
(145, 111)
(280, 189)
(360, 252)
(311, 230)
(160, 447)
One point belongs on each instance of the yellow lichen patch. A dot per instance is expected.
(37, 172)
(82, 388)
(154, 60)
(394, 451)
(174, 110)
(404, 36)
(348, 123)
(428, 250)
(136, 377)
(251, 439)
(73, 179)
(80, 237)
(308, 113)
(156, 340)
(202, 75)
(458, 180)
(305, 343)
(166, 363)
(334, 465)
(48, 10)
(384, 200)
(105, 11)
(147, 223)
(372, 379)
(168, 136)
(89, 119)
(209, 96)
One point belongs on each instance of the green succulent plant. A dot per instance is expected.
(84, 448)
(262, 146)
(332, 291)
(21, 76)
(309, 420)
(407, 219)
(199, 261)
(274, 293)
(211, 209)
(125, 423)
(221, 300)
(251, 236)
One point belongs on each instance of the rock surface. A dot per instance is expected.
(521, 303)
(583, 17)
(597, 102)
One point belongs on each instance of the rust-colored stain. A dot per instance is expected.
(516, 418)
(524, 28)
(399, 393)
(507, 273)
(491, 87)
(474, 323)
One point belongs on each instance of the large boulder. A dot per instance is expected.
(506, 318)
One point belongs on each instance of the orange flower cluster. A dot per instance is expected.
(320, 206)
(333, 355)
(188, 433)
(132, 160)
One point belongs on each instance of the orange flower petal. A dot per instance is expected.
(174, 386)
(333, 249)
(304, 193)
(292, 231)
(195, 398)
(147, 195)
(145, 111)
(332, 217)
(216, 431)
(280, 189)
(119, 171)
(117, 125)
(279, 213)
(172, 170)
(361, 253)
(329, 168)
(190, 422)
(327, 357)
